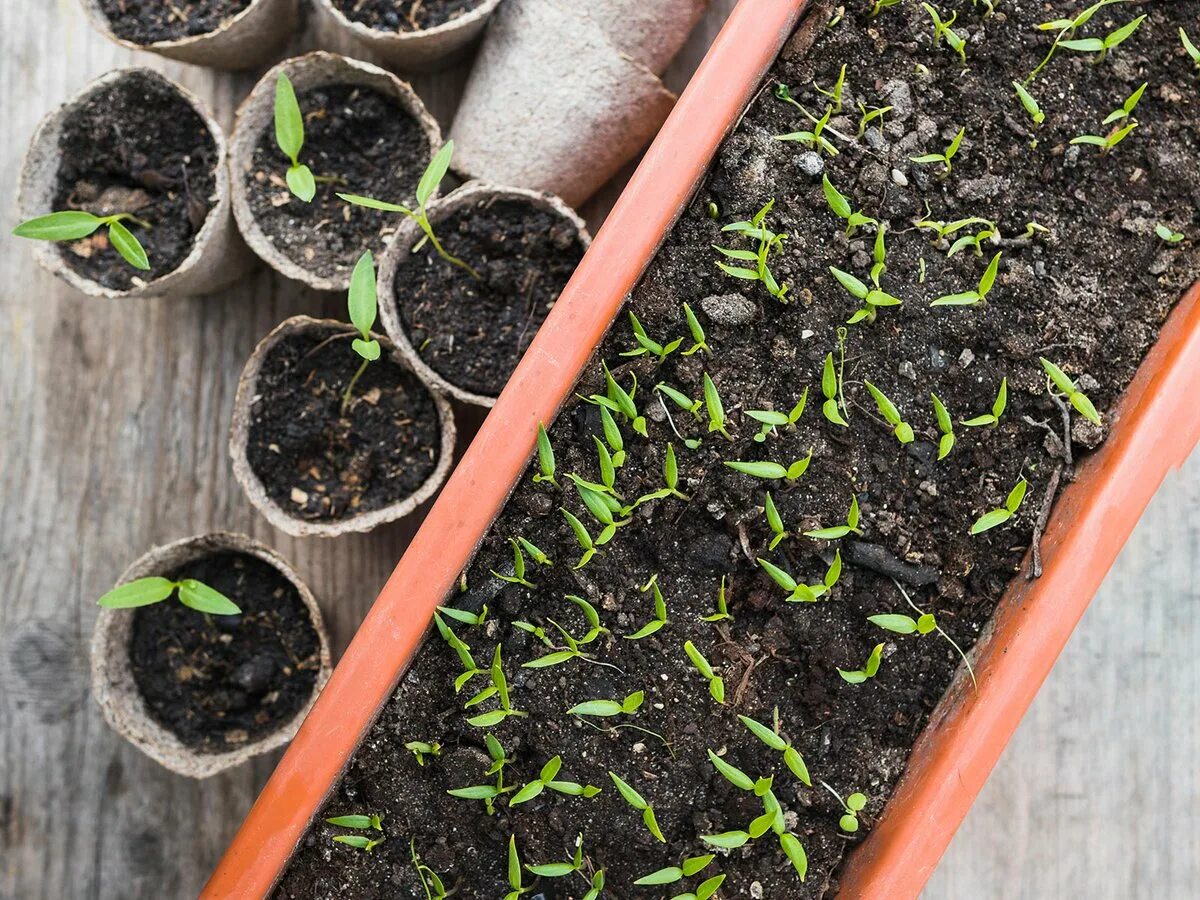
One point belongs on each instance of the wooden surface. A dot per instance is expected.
(113, 429)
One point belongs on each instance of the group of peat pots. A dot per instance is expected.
(211, 650)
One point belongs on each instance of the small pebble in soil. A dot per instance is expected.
(729, 309)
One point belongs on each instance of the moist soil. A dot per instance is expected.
(321, 465)
(1091, 295)
(356, 140)
(218, 682)
(473, 331)
(405, 15)
(136, 146)
(150, 21)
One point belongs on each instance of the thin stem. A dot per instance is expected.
(350, 387)
(423, 221)
(920, 612)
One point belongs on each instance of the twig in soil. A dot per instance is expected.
(1039, 528)
(1065, 411)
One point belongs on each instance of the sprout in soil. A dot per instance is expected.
(612, 436)
(363, 303)
(869, 669)
(768, 470)
(722, 612)
(697, 330)
(693, 865)
(1108, 141)
(869, 115)
(1057, 378)
(879, 6)
(545, 781)
(1192, 50)
(498, 689)
(853, 805)
(872, 297)
(638, 802)
(465, 616)
(289, 135)
(784, 93)
(995, 517)
(945, 426)
(942, 29)
(670, 480)
(660, 612)
(715, 409)
(680, 399)
(840, 531)
(831, 388)
(422, 749)
(358, 823)
(887, 409)
(814, 139)
(646, 344)
(520, 547)
(1128, 106)
(716, 684)
(924, 624)
(992, 418)
(603, 506)
(770, 420)
(514, 872)
(798, 592)
(1066, 29)
(944, 157)
(606, 709)
(988, 5)
(839, 204)
(756, 230)
(618, 400)
(1170, 235)
(470, 669)
(1030, 103)
(430, 179)
(571, 650)
(770, 736)
(192, 593)
(435, 888)
(608, 472)
(545, 458)
(835, 92)
(74, 224)
(583, 538)
(561, 869)
(772, 818)
(978, 296)
(1110, 41)
(775, 521)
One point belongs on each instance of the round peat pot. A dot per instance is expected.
(650, 33)
(366, 132)
(202, 693)
(314, 463)
(136, 143)
(412, 35)
(463, 332)
(223, 34)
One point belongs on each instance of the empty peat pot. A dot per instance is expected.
(366, 132)
(223, 34)
(464, 329)
(318, 461)
(136, 143)
(199, 692)
(413, 35)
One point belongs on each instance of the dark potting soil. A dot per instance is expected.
(324, 466)
(1091, 295)
(364, 143)
(473, 331)
(150, 21)
(405, 15)
(218, 682)
(136, 146)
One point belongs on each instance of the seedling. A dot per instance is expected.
(545, 781)
(422, 749)
(545, 451)
(722, 612)
(1030, 103)
(869, 670)
(583, 538)
(603, 506)
(435, 888)
(924, 624)
(840, 531)
(768, 241)
(520, 547)
(514, 872)
(683, 401)
(945, 157)
(1057, 378)
(646, 345)
(814, 139)
(798, 592)
(608, 471)
(872, 297)
(1192, 50)
(1108, 141)
(770, 420)
(1170, 235)
(499, 689)
(715, 408)
(192, 593)
(887, 409)
(74, 224)
(880, 5)
(784, 93)
(1110, 41)
(716, 684)
(465, 616)
(942, 30)
(363, 303)
(670, 480)
(768, 470)
(358, 823)
(620, 401)
(853, 805)
(660, 612)
(775, 521)
(945, 426)
(869, 115)
(770, 736)
(839, 204)
(831, 388)
(289, 135)
(638, 802)
(693, 865)
(612, 436)
(991, 419)
(772, 818)
(606, 709)
(571, 650)
(835, 92)
(561, 869)
(995, 517)
(978, 296)
(1128, 106)
(470, 669)
(1066, 29)
(430, 179)
(697, 331)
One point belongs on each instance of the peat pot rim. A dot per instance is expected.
(257, 113)
(206, 265)
(407, 236)
(239, 435)
(418, 51)
(118, 696)
(242, 41)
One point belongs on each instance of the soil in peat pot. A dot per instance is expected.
(136, 146)
(1090, 294)
(473, 331)
(218, 682)
(321, 465)
(356, 140)
(405, 15)
(151, 21)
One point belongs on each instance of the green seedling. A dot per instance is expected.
(75, 224)
(925, 623)
(460, 647)
(660, 612)
(867, 115)
(945, 157)
(815, 139)
(584, 539)
(1066, 29)
(840, 531)
(1057, 378)
(606, 709)
(1108, 141)
(620, 401)
(431, 882)
(715, 409)
(487, 793)
(683, 401)
(612, 437)
(771, 737)
(775, 522)
(289, 135)
(873, 298)
(430, 179)
(514, 872)
(784, 93)
(831, 388)
(1170, 235)
(945, 426)
(638, 802)
(766, 469)
(546, 781)
(756, 230)
(1110, 41)
(840, 206)
(562, 869)
(192, 593)
(770, 420)
(363, 303)
(869, 670)
(358, 823)
(1030, 103)
(878, 6)
(1190, 48)
(995, 517)
(646, 345)
(978, 296)
(716, 684)
(608, 471)
(988, 6)
(835, 92)
(571, 646)
(693, 865)
(520, 547)
(798, 592)
(545, 451)
(465, 616)
(991, 419)
(772, 818)
(422, 749)
(1128, 106)
(722, 612)
(603, 506)
(852, 806)
(499, 689)
(901, 429)
(670, 481)
(699, 343)
(942, 30)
